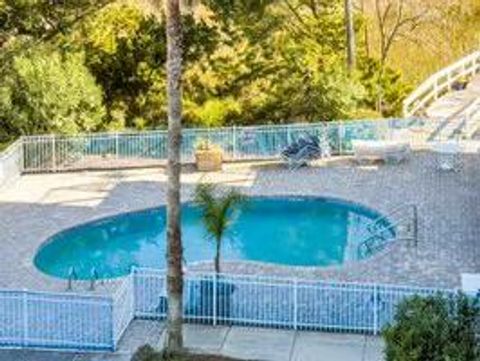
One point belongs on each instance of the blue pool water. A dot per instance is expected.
(287, 231)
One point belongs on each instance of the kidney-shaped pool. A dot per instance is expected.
(294, 231)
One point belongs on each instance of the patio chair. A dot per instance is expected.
(299, 153)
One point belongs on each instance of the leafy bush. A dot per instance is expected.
(45, 91)
(435, 328)
(214, 112)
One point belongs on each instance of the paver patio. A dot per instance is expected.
(38, 206)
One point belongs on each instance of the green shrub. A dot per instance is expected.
(45, 91)
(435, 328)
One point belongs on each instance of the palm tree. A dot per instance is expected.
(174, 339)
(217, 213)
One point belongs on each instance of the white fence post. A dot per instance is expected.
(340, 139)
(133, 275)
(214, 308)
(25, 317)
(234, 142)
(375, 309)
(117, 147)
(113, 327)
(295, 304)
(54, 155)
(132, 295)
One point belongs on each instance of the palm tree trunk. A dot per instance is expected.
(350, 31)
(217, 256)
(174, 338)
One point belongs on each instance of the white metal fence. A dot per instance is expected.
(86, 322)
(123, 308)
(118, 150)
(139, 149)
(276, 302)
(439, 83)
(55, 321)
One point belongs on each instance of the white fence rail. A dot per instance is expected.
(439, 83)
(67, 321)
(55, 321)
(276, 302)
(140, 149)
(120, 150)
(123, 308)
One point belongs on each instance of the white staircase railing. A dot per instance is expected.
(440, 83)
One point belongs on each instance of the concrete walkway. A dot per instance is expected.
(254, 343)
(244, 343)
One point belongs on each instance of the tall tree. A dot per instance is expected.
(396, 19)
(350, 32)
(174, 339)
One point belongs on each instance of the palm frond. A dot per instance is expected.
(217, 210)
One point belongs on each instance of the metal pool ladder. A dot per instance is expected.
(400, 224)
(72, 276)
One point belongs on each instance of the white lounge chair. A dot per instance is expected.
(374, 150)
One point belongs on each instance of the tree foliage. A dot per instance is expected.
(45, 91)
(245, 62)
(435, 328)
(217, 212)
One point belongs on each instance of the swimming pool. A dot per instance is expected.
(292, 231)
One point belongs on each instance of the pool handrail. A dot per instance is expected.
(400, 217)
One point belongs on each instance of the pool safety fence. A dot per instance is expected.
(55, 321)
(67, 321)
(274, 302)
(51, 153)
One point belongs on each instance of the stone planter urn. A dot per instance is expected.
(208, 157)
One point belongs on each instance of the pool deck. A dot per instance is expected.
(242, 343)
(38, 206)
